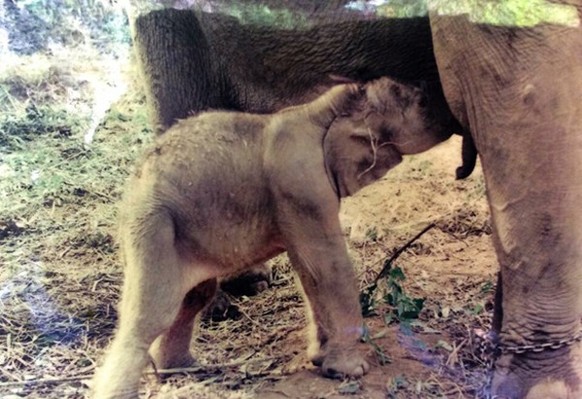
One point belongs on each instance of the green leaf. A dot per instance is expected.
(478, 308)
(397, 274)
(350, 387)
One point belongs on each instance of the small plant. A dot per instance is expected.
(487, 287)
(368, 301)
(263, 15)
(36, 121)
(396, 384)
(350, 387)
(381, 356)
(372, 234)
(404, 307)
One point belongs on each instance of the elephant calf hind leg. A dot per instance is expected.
(156, 282)
(172, 348)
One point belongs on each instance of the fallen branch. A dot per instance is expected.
(195, 369)
(45, 381)
(388, 263)
(367, 294)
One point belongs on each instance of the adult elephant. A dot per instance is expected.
(193, 61)
(519, 92)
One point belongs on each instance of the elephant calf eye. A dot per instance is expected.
(364, 140)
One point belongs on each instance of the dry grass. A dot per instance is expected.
(60, 277)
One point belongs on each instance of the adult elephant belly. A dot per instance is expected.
(519, 91)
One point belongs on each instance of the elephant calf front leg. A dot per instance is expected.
(319, 255)
(329, 285)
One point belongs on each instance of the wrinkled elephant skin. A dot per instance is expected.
(519, 91)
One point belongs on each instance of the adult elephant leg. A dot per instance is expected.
(519, 91)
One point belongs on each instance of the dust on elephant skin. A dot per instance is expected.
(186, 218)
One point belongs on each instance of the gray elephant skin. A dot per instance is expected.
(519, 91)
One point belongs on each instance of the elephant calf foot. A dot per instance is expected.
(164, 361)
(341, 362)
(250, 282)
(221, 309)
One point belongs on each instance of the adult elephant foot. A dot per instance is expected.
(249, 283)
(558, 374)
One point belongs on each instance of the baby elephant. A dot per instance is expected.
(223, 191)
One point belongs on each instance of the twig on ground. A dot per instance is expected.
(256, 323)
(388, 264)
(234, 363)
(42, 381)
(369, 291)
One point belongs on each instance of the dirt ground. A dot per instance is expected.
(60, 280)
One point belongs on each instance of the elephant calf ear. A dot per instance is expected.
(469, 156)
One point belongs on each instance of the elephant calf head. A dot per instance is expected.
(390, 121)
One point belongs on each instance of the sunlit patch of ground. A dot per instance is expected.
(60, 277)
